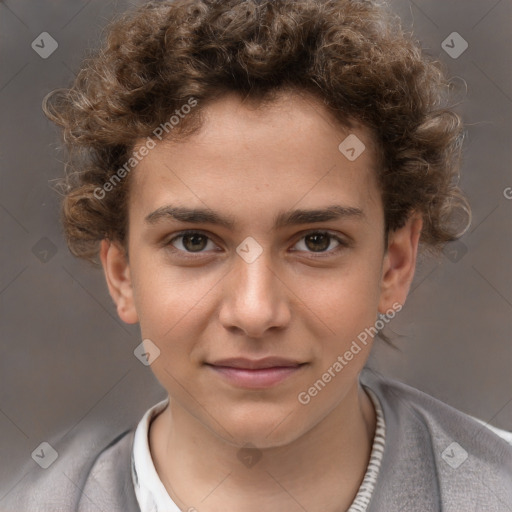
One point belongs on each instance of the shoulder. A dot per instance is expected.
(92, 472)
(433, 449)
(109, 484)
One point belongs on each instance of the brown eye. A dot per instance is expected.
(194, 242)
(191, 242)
(321, 243)
(318, 242)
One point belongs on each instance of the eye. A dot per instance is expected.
(191, 242)
(320, 242)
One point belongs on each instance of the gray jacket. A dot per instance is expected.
(422, 469)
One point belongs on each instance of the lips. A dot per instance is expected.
(256, 364)
(256, 373)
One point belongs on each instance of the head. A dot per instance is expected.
(305, 148)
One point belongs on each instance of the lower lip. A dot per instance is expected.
(256, 379)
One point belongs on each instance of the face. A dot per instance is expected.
(256, 259)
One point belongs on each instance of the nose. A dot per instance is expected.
(255, 298)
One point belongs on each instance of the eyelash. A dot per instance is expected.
(191, 255)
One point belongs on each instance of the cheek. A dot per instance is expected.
(167, 297)
(174, 306)
(169, 306)
(344, 302)
(345, 306)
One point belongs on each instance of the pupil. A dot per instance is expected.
(321, 241)
(198, 242)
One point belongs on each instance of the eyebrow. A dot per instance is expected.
(282, 219)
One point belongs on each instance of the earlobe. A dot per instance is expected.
(117, 275)
(400, 263)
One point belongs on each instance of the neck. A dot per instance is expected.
(320, 471)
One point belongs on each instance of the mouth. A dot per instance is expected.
(256, 374)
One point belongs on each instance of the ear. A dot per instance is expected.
(117, 274)
(399, 263)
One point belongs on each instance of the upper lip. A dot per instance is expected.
(256, 364)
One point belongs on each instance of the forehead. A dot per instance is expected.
(289, 152)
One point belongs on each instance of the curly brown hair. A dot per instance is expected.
(352, 55)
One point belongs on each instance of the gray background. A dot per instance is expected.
(66, 360)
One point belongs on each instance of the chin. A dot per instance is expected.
(270, 428)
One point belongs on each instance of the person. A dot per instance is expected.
(256, 179)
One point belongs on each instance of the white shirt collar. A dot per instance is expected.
(152, 495)
(149, 489)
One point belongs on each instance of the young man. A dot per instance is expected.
(256, 178)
